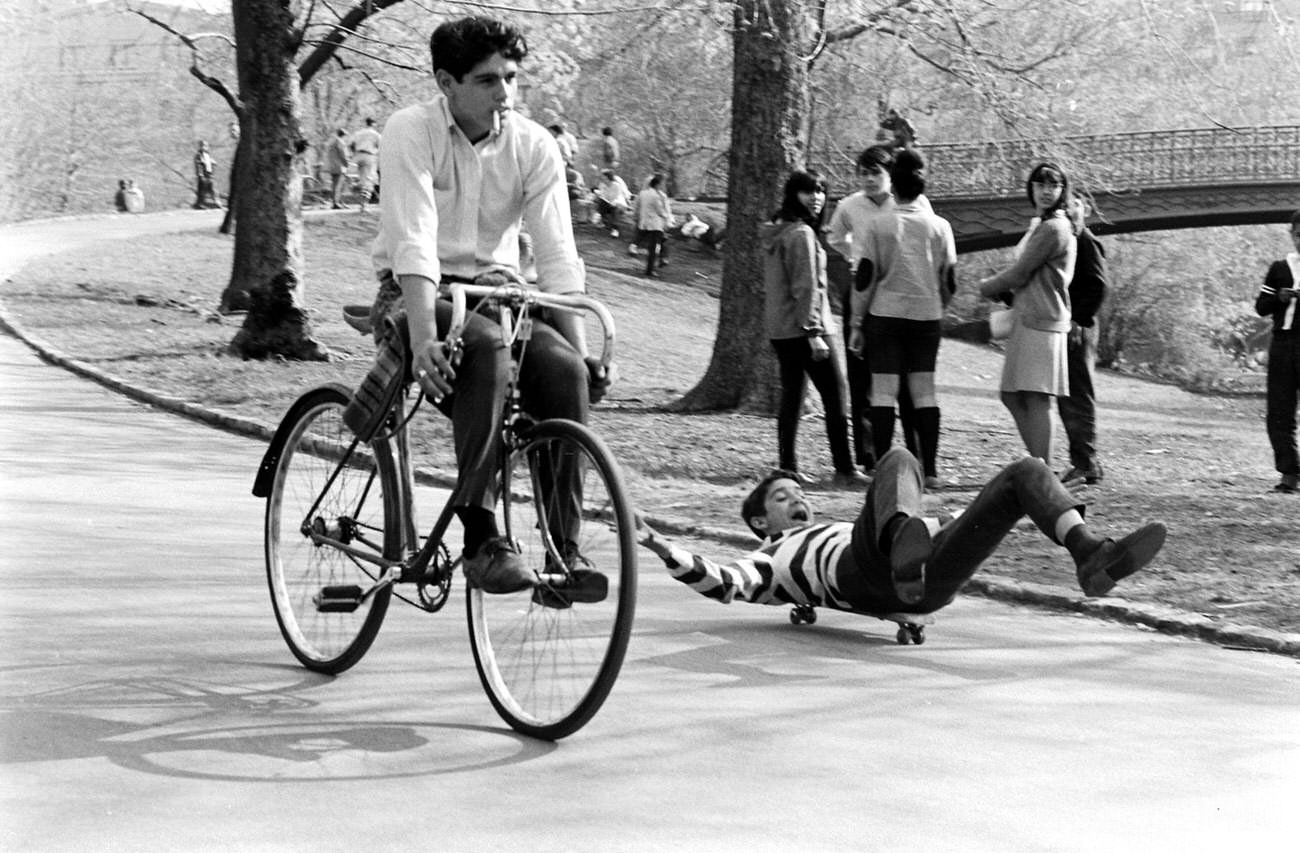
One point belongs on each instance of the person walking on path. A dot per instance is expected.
(365, 149)
(905, 278)
(654, 218)
(1078, 408)
(1034, 369)
(336, 165)
(891, 559)
(1279, 298)
(848, 228)
(462, 174)
(797, 317)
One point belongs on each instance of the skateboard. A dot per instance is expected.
(911, 626)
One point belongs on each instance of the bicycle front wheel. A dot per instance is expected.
(549, 656)
(322, 492)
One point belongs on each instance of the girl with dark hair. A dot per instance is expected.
(1035, 369)
(798, 321)
(905, 278)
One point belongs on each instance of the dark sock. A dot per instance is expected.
(480, 525)
(927, 432)
(882, 429)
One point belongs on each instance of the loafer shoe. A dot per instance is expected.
(1091, 476)
(1114, 561)
(908, 554)
(850, 480)
(496, 568)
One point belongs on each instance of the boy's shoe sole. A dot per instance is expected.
(908, 554)
(1114, 561)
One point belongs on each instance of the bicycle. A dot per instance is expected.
(341, 535)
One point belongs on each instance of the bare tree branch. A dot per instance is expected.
(339, 33)
(196, 71)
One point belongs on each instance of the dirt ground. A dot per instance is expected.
(142, 310)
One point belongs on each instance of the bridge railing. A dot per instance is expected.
(1121, 161)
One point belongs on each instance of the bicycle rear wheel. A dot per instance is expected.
(320, 489)
(548, 657)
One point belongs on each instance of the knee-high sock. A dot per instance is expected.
(882, 428)
(927, 430)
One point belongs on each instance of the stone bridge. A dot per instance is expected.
(1143, 181)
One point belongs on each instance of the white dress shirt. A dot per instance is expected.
(449, 207)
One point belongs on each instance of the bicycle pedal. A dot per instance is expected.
(584, 586)
(338, 599)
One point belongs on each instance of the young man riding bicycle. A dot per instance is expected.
(460, 175)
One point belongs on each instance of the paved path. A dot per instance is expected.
(149, 703)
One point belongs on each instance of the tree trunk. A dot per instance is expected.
(769, 113)
(268, 191)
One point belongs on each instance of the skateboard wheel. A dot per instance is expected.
(902, 636)
(802, 614)
(917, 633)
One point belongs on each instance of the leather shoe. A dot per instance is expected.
(1114, 561)
(908, 554)
(496, 568)
(1091, 476)
(850, 480)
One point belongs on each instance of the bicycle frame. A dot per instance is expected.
(513, 304)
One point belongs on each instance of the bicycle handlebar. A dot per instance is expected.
(527, 296)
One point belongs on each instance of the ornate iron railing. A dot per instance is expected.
(1121, 161)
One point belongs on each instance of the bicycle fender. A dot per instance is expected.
(265, 476)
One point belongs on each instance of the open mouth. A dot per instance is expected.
(799, 514)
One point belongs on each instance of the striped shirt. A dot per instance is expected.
(797, 566)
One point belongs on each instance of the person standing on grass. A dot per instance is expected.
(365, 148)
(1078, 409)
(848, 228)
(336, 165)
(1034, 370)
(463, 174)
(611, 152)
(654, 216)
(797, 317)
(1279, 298)
(905, 278)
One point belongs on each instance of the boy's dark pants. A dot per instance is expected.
(1027, 487)
(1283, 383)
(1079, 410)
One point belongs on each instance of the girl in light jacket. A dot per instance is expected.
(1035, 367)
(797, 317)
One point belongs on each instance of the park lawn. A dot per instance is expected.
(142, 310)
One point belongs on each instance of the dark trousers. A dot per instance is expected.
(858, 372)
(796, 366)
(553, 381)
(1079, 410)
(1027, 487)
(654, 250)
(1280, 417)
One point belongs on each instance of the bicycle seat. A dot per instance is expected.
(358, 317)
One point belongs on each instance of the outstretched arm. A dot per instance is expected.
(747, 579)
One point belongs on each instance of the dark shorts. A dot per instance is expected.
(899, 346)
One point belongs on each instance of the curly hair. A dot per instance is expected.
(457, 46)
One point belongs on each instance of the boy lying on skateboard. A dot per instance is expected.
(891, 560)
